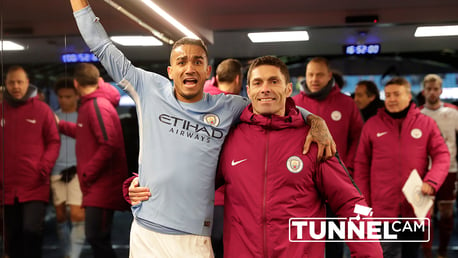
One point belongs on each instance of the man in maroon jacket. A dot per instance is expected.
(100, 155)
(31, 144)
(322, 96)
(393, 143)
(269, 181)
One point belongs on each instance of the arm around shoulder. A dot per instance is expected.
(320, 134)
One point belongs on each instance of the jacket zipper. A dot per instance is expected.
(264, 211)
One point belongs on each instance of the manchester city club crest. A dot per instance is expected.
(294, 164)
(416, 133)
(211, 119)
(336, 115)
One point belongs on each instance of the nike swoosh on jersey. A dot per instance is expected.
(235, 163)
(32, 121)
(381, 134)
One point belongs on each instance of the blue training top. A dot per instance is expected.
(67, 156)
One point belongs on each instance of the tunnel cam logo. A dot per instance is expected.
(211, 119)
(294, 164)
(362, 228)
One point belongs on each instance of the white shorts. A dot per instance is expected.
(146, 243)
(70, 192)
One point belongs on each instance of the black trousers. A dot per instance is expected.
(24, 223)
(217, 231)
(98, 231)
(333, 249)
(406, 249)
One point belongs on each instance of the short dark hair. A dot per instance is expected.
(64, 83)
(86, 74)
(399, 81)
(371, 88)
(269, 60)
(338, 78)
(190, 41)
(229, 69)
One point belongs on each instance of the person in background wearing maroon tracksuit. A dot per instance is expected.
(31, 144)
(100, 155)
(393, 143)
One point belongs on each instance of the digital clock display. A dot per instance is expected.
(362, 49)
(79, 58)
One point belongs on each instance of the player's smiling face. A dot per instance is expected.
(268, 90)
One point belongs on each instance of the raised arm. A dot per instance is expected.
(78, 4)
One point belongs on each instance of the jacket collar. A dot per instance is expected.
(31, 92)
(412, 110)
(321, 94)
(293, 117)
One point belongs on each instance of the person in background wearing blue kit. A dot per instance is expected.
(65, 186)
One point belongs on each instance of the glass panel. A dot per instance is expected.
(26, 170)
(2, 88)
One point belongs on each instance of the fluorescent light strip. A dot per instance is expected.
(278, 36)
(156, 33)
(436, 31)
(136, 40)
(170, 19)
(7, 45)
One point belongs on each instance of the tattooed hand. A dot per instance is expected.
(320, 134)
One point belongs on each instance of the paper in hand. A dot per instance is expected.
(412, 190)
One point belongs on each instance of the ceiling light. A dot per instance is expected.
(156, 33)
(10, 46)
(436, 31)
(170, 19)
(278, 36)
(136, 40)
